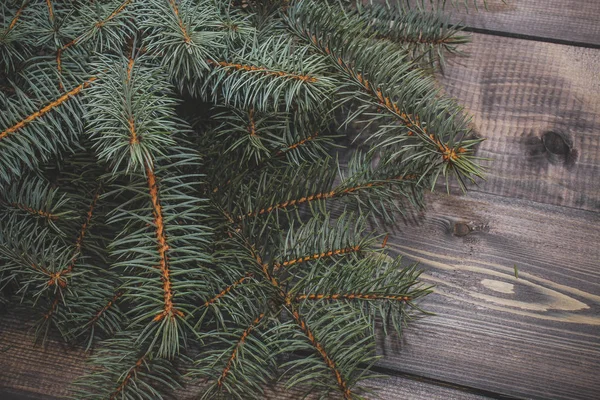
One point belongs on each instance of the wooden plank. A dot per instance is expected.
(537, 336)
(561, 20)
(30, 372)
(538, 107)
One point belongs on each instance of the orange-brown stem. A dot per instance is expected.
(227, 290)
(316, 256)
(108, 305)
(186, 35)
(130, 68)
(15, 19)
(264, 70)
(98, 24)
(133, 137)
(53, 306)
(448, 154)
(50, 10)
(321, 350)
(325, 195)
(117, 11)
(291, 203)
(57, 277)
(350, 296)
(240, 342)
(288, 301)
(265, 267)
(169, 309)
(33, 211)
(251, 123)
(300, 143)
(128, 377)
(46, 109)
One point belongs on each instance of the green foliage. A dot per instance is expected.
(195, 189)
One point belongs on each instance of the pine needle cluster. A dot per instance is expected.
(188, 187)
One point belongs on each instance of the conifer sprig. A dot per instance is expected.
(194, 189)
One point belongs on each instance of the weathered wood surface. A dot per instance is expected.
(29, 372)
(560, 20)
(538, 107)
(537, 336)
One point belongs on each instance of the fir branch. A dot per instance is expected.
(263, 70)
(36, 212)
(184, 31)
(58, 277)
(340, 379)
(316, 256)
(257, 281)
(169, 308)
(16, 17)
(117, 11)
(89, 32)
(131, 374)
(236, 349)
(350, 296)
(46, 109)
(297, 144)
(100, 313)
(228, 289)
(337, 192)
(50, 10)
(122, 371)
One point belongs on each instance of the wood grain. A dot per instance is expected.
(538, 107)
(537, 336)
(564, 20)
(33, 372)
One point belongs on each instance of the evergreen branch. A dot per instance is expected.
(338, 192)
(316, 256)
(50, 10)
(184, 31)
(96, 26)
(104, 309)
(252, 124)
(350, 296)
(15, 19)
(132, 372)
(263, 70)
(57, 277)
(181, 37)
(46, 109)
(169, 308)
(117, 11)
(261, 284)
(297, 144)
(136, 125)
(240, 343)
(125, 371)
(253, 77)
(408, 94)
(341, 381)
(36, 212)
(227, 290)
(53, 306)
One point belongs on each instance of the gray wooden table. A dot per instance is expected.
(531, 79)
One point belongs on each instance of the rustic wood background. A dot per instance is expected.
(531, 80)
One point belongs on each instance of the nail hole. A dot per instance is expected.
(555, 143)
